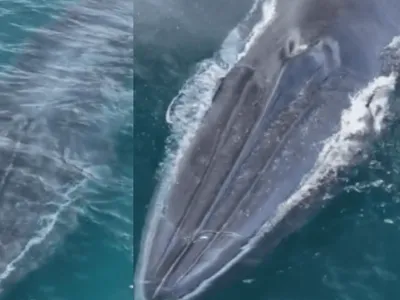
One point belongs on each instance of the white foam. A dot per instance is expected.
(388, 221)
(342, 147)
(42, 234)
(268, 13)
(395, 43)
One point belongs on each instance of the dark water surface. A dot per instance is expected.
(351, 251)
(95, 260)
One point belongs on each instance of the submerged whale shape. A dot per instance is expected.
(241, 182)
(59, 102)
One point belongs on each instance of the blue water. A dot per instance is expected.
(350, 251)
(93, 261)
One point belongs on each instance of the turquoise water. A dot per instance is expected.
(94, 261)
(350, 251)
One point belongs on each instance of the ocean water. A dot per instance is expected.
(350, 251)
(94, 259)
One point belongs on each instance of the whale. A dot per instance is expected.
(271, 145)
(61, 100)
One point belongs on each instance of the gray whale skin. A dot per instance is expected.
(262, 134)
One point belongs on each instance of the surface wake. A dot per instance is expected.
(63, 100)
